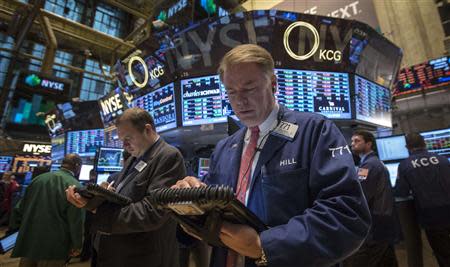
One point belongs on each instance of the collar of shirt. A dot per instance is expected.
(66, 170)
(266, 126)
(364, 156)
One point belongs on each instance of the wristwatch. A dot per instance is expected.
(262, 261)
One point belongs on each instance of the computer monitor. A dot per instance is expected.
(102, 177)
(112, 137)
(58, 148)
(326, 93)
(85, 142)
(204, 100)
(109, 159)
(438, 141)
(373, 102)
(160, 103)
(84, 172)
(5, 163)
(393, 169)
(203, 167)
(8, 242)
(392, 148)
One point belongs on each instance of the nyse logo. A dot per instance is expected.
(317, 43)
(52, 85)
(37, 149)
(111, 104)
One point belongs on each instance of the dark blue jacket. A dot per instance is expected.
(306, 190)
(379, 195)
(427, 176)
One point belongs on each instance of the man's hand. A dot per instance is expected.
(188, 182)
(75, 198)
(242, 239)
(74, 252)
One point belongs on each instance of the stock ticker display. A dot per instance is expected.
(161, 105)
(426, 75)
(204, 100)
(58, 148)
(109, 159)
(438, 141)
(84, 143)
(372, 102)
(112, 137)
(327, 93)
(5, 163)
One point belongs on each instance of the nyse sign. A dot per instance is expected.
(37, 148)
(317, 42)
(111, 104)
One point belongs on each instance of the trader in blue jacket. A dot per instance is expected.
(426, 176)
(293, 170)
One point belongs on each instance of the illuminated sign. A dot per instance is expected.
(154, 73)
(324, 54)
(37, 148)
(111, 104)
(176, 8)
(34, 80)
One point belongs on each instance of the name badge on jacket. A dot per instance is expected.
(286, 130)
(363, 173)
(140, 166)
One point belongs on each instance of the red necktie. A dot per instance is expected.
(245, 171)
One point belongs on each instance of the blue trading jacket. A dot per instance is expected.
(427, 175)
(306, 190)
(380, 198)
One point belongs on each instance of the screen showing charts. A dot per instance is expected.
(392, 168)
(204, 101)
(109, 159)
(373, 102)
(84, 143)
(327, 93)
(58, 148)
(203, 167)
(161, 105)
(392, 148)
(5, 163)
(438, 141)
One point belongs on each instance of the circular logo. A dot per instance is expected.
(130, 71)
(286, 40)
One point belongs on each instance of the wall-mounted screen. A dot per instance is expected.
(393, 169)
(84, 143)
(373, 102)
(327, 93)
(161, 105)
(112, 137)
(23, 164)
(203, 167)
(58, 148)
(438, 141)
(109, 159)
(392, 148)
(5, 163)
(204, 100)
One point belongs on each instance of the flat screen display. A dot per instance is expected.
(102, 177)
(5, 163)
(203, 167)
(204, 101)
(393, 169)
(112, 137)
(7, 243)
(326, 93)
(84, 172)
(392, 148)
(85, 142)
(438, 141)
(109, 159)
(58, 148)
(373, 102)
(161, 105)
(22, 164)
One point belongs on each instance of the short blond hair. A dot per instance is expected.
(247, 53)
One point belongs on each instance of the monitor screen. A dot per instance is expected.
(161, 105)
(22, 164)
(203, 167)
(373, 102)
(392, 168)
(109, 159)
(438, 141)
(84, 143)
(392, 148)
(8, 242)
(102, 177)
(5, 163)
(204, 100)
(112, 137)
(58, 148)
(84, 172)
(327, 93)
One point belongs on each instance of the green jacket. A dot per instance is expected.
(49, 225)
